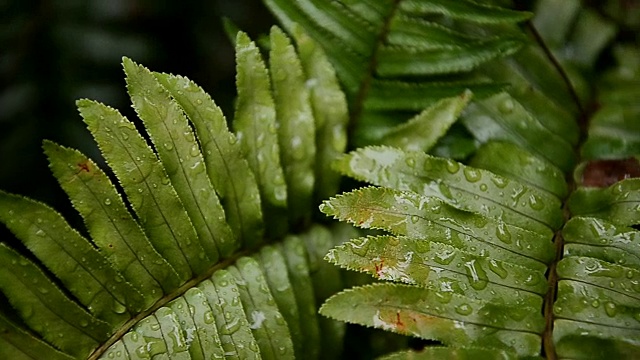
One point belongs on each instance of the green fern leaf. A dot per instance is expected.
(176, 147)
(296, 125)
(111, 226)
(226, 167)
(456, 320)
(138, 174)
(83, 270)
(256, 127)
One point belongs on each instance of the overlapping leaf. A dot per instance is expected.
(389, 66)
(166, 279)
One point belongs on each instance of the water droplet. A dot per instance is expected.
(168, 146)
(471, 174)
(198, 101)
(194, 151)
(464, 309)
(208, 317)
(411, 162)
(415, 218)
(118, 308)
(165, 180)
(498, 269)
(477, 275)
(452, 166)
(483, 187)
(41, 232)
(503, 233)
(107, 201)
(444, 190)
(611, 309)
(595, 303)
(500, 182)
(535, 202)
(506, 106)
(444, 296)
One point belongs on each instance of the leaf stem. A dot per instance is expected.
(370, 72)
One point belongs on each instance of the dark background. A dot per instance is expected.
(55, 52)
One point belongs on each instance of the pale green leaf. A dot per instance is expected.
(265, 320)
(296, 126)
(180, 154)
(428, 263)
(228, 313)
(274, 266)
(171, 334)
(298, 267)
(422, 217)
(456, 184)
(227, 168)
(206, 336)
(418, 312)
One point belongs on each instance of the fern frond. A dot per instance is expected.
(174, 278)
(391, 66)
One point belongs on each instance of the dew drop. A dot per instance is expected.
(500, 182)
(107, 201)
(503, 233)
(411, 162)
(452, 166)
(118, 308)
(208, 317)
(506, 106)
(464, 309)
(611, 309)
(41, 232)
(535, 202)
(168, 146)
(472, 175)
(498, 269)
(483, 187)
(194, 151)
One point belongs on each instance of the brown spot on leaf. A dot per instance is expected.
(603, 173)
(399, 323)
(379, 268)
(84, 166)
